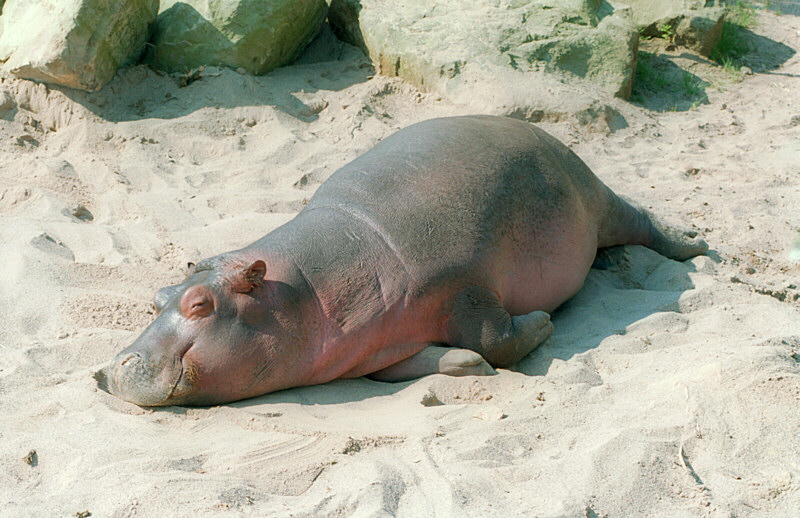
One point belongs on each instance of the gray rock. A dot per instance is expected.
(794, 253)
(7, 103)
(531, 59)
(324, 47)
(254, 35)
(74, 43)
(700, 31)
(688, 22)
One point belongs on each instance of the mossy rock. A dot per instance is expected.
(688, 23)
(74, 43)
(255, 35)
(431, 44)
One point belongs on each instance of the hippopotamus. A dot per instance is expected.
(441, 250)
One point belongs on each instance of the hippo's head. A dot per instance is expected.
(225, 333)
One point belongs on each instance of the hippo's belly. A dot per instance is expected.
(545, 272)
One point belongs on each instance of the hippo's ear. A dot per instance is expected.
(250, 277)
(164, 295)
(190, 266)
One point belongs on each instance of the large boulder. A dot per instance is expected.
(256, 35)
(74, 43)
(690, 23)
(525, 58)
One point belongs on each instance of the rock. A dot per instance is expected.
(688, 23)
(605, 56)
(700, 30)
(490, 413)
(431, 399)
(7, 102)
(254, 35)
(525, 58)
(324, 47)
(794, 253)
(74, 43)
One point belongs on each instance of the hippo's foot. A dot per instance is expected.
(630, 223)
(532, 330)
(481, 324)
(675, 241)
(436, 359)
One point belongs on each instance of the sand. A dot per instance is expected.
(667, 389)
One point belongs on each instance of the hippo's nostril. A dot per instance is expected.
(129, 358)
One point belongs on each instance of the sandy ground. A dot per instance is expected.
(668, 389)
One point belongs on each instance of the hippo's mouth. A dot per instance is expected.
(183, 370)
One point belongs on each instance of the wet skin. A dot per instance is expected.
(441, 250)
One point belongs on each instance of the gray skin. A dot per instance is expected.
(441, 250)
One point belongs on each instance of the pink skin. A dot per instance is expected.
(244, 363)
(206, 345)
(297, 336)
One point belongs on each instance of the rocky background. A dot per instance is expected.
(136, 136)
(519, 58)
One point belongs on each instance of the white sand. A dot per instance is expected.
(668, 389)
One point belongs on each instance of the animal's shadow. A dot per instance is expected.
(639, 284)
(610, 303)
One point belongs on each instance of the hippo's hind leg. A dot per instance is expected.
(627, 223)
(480, 323)
(436, 359)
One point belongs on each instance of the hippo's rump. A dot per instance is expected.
(476, 201)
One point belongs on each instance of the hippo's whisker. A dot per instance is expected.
(266, 368)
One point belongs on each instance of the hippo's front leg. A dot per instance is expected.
(480, 323)
(436, 359)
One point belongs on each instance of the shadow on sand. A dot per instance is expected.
(612, 302)
(662, 84)
(140, 92)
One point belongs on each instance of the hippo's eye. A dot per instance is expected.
(196, 302)
(200, 308)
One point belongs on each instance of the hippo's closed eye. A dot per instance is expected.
(197, 302)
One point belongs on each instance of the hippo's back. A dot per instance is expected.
(476, 200)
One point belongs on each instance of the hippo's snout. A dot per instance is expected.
(138, 380)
